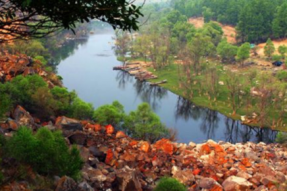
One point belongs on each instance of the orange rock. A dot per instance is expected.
(216, 188)
(120, 134)
(133, 143)
(97, 127)
(205, 149)
(164, 145)
(145, 146)
(196, 171)
(221, 160)
(110, 129)
(246, 162)
(218, 148)
(88, 126)
(109, 157)
(242, 167)
(84, 122)
(13, 125)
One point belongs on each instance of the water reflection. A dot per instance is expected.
(150, 94)
(236, 132)
(185, 109)
(123, 78)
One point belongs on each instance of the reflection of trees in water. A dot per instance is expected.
(186, 109)
(209, 124)
(123, 78)
(150, 94)
(236, 132)
(66, 50)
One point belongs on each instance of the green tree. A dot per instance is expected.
(145, 124)
(207, 14)
(109, 114)
(46, 152)
(243, 52)
(269, 48)
(44, 17)
(81, 110)
(226, 51)
(282, 50)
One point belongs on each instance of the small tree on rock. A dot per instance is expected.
(243, 52)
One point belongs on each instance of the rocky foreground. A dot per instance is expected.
(114, 161)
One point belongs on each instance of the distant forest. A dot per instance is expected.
(255, 20)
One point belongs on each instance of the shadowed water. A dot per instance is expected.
(89, 71)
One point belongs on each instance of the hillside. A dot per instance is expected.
(228, 30)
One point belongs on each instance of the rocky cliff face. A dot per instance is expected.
(114, 161)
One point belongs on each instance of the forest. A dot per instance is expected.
(255, 20)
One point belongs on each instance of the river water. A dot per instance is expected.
(88, 70)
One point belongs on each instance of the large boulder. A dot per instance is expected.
(78, 137)
(234, 183)
(65, 123)
(127, 179)
(66, 183)
(23, 117)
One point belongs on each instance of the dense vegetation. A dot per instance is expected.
(46, 152)
(192, 60)
(169, 184)
(255, 20)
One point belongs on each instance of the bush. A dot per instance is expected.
(46, 152)
(276, 57)
(145, 124)
(109, 114)
(41, 59)
(81, 110)
(169, 184)
(281, 137)
(282, 75)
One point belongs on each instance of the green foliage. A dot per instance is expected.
(46, 152)
(169, 184)
(276, 57)
(41, 59)
(109, 114)
(269, 48)
(282, 50)
(207, 14)
(145, 124)
(282, 75)
(243, 52)
(226, 51)
(281, 137)
(81, 110)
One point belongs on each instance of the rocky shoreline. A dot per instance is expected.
(114, 161)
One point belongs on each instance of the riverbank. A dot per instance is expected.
(249, 114)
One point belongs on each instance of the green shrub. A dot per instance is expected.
(169, 184)
(109, 114)
(281, 137)
(81, 110)
(145, 124)
(282, 75)
(41, 59)
(276, 57)
(46, 152)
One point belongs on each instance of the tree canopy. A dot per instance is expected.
(37, 18)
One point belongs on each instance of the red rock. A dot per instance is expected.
(109, 156)
(84, 122)
(246, 162)
(120, 134)
(196, 171)
(13, 125)
(205, 149)
(88, 125)
(165, 145)
(97, 127)
(145, 146)
(133, 143)
(110, 129)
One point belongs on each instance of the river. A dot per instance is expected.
(88, 70)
